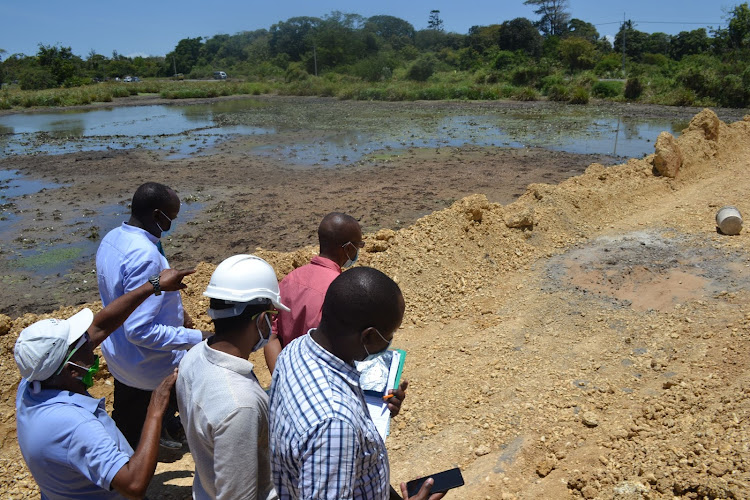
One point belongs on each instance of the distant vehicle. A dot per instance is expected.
(178, 76)
(136, 79)
(127, 79)
(220, 75)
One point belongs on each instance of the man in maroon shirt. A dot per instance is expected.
(304, 289)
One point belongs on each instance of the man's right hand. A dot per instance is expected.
(160, 395)
(423, 493)
(170, 280)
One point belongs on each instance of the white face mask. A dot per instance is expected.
(376, 355)
(262, 341)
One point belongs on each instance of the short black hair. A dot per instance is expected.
(148, 197)
(360, 298)
(334, 229)
(228, 325)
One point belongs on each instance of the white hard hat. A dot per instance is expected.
(42, 347)
(241, 280)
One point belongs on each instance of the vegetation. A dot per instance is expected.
(386, 58)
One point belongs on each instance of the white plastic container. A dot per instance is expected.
(729, 220)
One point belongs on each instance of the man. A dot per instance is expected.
(152, 341)
(340, 238)
(222, 406)
(323, 442)
(71, 446)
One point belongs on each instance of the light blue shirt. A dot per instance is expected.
(152, 341)
(323, 442)
(71, 446)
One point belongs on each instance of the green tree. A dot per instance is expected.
(58, 61)
(577, 53)
(582, 29)
(293, 37)
(520, 34)
(184, 56)
(392, 30)
(686, 43)
(635, 41)
(658, 43)
(554, 16)
(434, 22)
(738, 29)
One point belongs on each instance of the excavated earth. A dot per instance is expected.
(584, 341)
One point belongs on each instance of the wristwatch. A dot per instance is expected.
(154, 280)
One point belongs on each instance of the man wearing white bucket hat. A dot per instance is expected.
(71, 446)
(223, 408)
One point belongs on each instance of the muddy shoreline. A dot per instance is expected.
(246, 201)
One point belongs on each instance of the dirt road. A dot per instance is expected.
(584, 341)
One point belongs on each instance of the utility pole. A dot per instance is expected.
(315, 60)
(175, 66)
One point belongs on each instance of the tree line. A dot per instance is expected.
(553, 55)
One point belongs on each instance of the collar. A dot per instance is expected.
(48, 397)
(336, 365)
(137, 230)
(227, 361)
(325, 262)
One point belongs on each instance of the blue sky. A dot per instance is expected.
(140, 27)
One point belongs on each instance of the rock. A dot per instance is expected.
(521, 219)
(546, 466)
(668, 158)
(5, 324)
(707, 121)
(482, 450)
(590, 419)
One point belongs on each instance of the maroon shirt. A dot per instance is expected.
(303, 291)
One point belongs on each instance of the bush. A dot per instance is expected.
(421, 69)
(36, 79)
(609, 65)
(682, 97)
(295, 72)
(607, 89)
(558, 93)
(527, 94)
(580, 96)
(504, 59)
(633, 89)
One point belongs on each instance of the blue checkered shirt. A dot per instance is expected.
(323, 442)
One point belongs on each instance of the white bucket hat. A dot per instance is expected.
(42, 347)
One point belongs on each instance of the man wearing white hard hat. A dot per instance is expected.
(223, 408)
(71, 446)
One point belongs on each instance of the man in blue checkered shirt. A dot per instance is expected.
(323, 443)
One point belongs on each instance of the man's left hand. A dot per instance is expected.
(394, 402)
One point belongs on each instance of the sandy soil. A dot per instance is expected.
(585, 340)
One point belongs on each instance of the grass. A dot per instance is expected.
(460, 85)
(46, 259)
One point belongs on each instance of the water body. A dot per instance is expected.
(331, 137)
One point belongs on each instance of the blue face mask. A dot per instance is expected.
(376, 355)
(171, 224)
(349, 261)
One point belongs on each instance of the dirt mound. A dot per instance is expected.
(586, 340)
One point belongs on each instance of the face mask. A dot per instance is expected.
(350, 262)
(376, 355)
(171, 224)
(262, 341)
(88, 379)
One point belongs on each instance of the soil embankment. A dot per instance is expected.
(584, 341)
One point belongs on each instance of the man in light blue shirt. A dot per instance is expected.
(71, 446)
(152, 341)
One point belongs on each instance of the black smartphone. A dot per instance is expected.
(444, 481)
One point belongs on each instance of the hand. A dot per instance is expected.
(423, 493)
(187, 320)
(160, 395)
(171, 279)
(394, 402)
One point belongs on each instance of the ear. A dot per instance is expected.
(369, 336)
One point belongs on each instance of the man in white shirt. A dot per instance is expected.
(223, 408)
